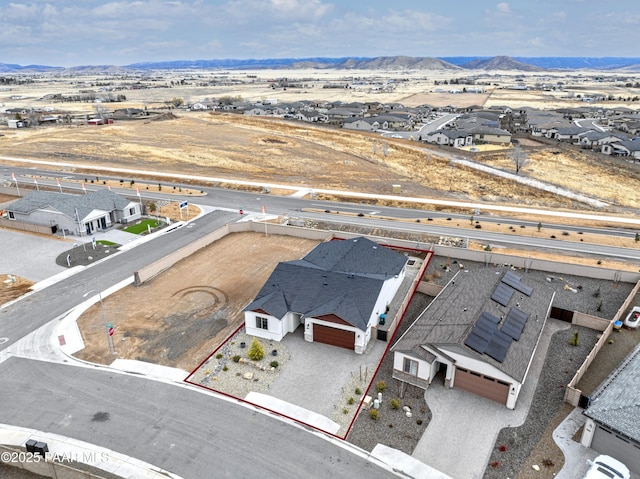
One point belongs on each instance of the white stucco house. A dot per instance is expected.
(337, 293)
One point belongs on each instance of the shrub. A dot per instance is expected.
(374, 414)
(256, 350)
(395, 403)
(236, 358)
(345, 410)
(380, 386)
(358, 391)
(218, 356)
(274, 364)
(225, 368)
(575, 338)
(351, 400)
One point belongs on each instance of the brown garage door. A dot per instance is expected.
(484, 386)
(334, 336)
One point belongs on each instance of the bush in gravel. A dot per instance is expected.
(219, 356)
(236, 358)
(351, 400)
(274, 364)
(256, 350)
(358, 391)
(380, 386)
(374, 414)
(394, 403)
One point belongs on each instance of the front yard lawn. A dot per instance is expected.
(143, 226)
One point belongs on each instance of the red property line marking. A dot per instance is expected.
(355, 416)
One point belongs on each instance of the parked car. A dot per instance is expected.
(633, 318)
(396, 136)
(606, 467)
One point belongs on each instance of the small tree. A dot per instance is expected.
(519, 158)
(637, 237)
(539, 227)
(256, 350)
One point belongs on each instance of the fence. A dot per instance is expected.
(22, 226)
(572, 394)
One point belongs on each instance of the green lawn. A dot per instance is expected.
(106, 243)
(140, 228)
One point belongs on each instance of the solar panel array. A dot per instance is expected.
(502, 294)
(514, 280)
(486, 338)
(514, 323)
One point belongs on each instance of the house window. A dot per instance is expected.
(262, 323)
(132, 211)
(410, 367)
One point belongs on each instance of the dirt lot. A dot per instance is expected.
(180, 317)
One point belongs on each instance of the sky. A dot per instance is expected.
(90, 32)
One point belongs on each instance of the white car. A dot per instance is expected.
(633, 318)
(606, 467)
(396, 136)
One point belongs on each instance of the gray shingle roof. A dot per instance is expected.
(616, 403)
(337, 277)
(450, 317)
(66, 204)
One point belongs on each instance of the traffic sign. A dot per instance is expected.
(110, 331)
(184, 204)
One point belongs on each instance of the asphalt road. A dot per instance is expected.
(174, 427)
(182, 430)
(40, 307)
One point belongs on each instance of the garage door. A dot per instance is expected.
(484, 386)
(607, 442)
(334, 336)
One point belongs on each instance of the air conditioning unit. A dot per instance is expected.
(123, 221)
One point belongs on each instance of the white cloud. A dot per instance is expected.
(503, 7)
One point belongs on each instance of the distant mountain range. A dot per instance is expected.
(392, 63)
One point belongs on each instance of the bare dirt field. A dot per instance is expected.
(179, 318)
(286, 152)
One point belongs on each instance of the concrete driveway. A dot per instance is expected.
(37, 254)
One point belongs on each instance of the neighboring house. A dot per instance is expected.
(485, 134)
(369, 123)
(567, 133)
(338, 292)
(455, 138)
(79, 214)
(479, 334)
(310, 116)
(592, 139)
(613, 414)
(622, 148)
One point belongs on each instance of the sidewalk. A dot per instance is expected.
(70, 454)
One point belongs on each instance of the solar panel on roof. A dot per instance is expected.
(476, 342)
(512, 276)
(518, 314)
(512, 329)
(489, 317)
(483, 331)
(513, 280)
(502, 294)
(498, 346)
(486, 324)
